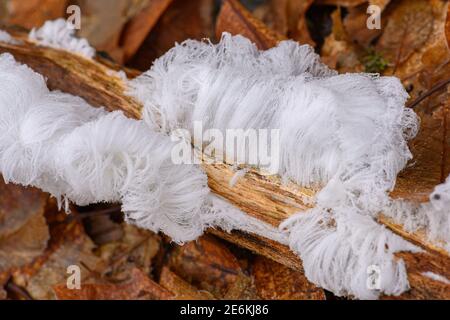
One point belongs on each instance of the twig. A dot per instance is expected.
(427, 94)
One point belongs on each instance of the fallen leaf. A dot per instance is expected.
(4, 277)
(182, 20)
(29, 14)
(341, 3)
(53, 270)
(338, 52)
(208, 264)
(274, 281)
(138, 286)
(23, 229)
(355, 23)
(408, 28)
(236, 19)
(287, 17)
(447, 27)
(68, 245)
(136, 30)
(180, 288)
(102, 23)
(354, 3)
(136, 249)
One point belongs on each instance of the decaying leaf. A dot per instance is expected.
(287, 17)
(235, 19)
(355, 23)
(408, 28)
(136, 249)
(29, 13)
(182, 20)
(3, 280)
(342, 3)
(180, 288)
(138, 27)
(354, 3)
(23, 229)
(338, 52)
(53, 269)
(68, 246)
(277, 282)
(102, 23)
(447, 27)
(209, 265)
(138, 286)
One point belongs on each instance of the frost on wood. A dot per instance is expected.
(62, 145)
(432, 217)
(344, 133)
(436, 277)
(60, 34)
(6, 37)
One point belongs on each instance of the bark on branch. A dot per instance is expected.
(263, 197)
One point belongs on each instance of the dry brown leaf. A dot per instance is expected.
(447, 27)
(102, 23)
(355, 23)
(53, 270)
(23, 229)
(136, 30)
(353, 3)
(342, 3)
(136, 249)
(138, 286)
(235, 19)
(208, 264)
(68, 245)
(30, 13)
(23, 246)
(277, 282)
(408, 28)
(338, 52)
(287, 17)
(180, 288)
(181, 21)
(4, 277)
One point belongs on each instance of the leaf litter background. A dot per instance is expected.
(119, 261)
